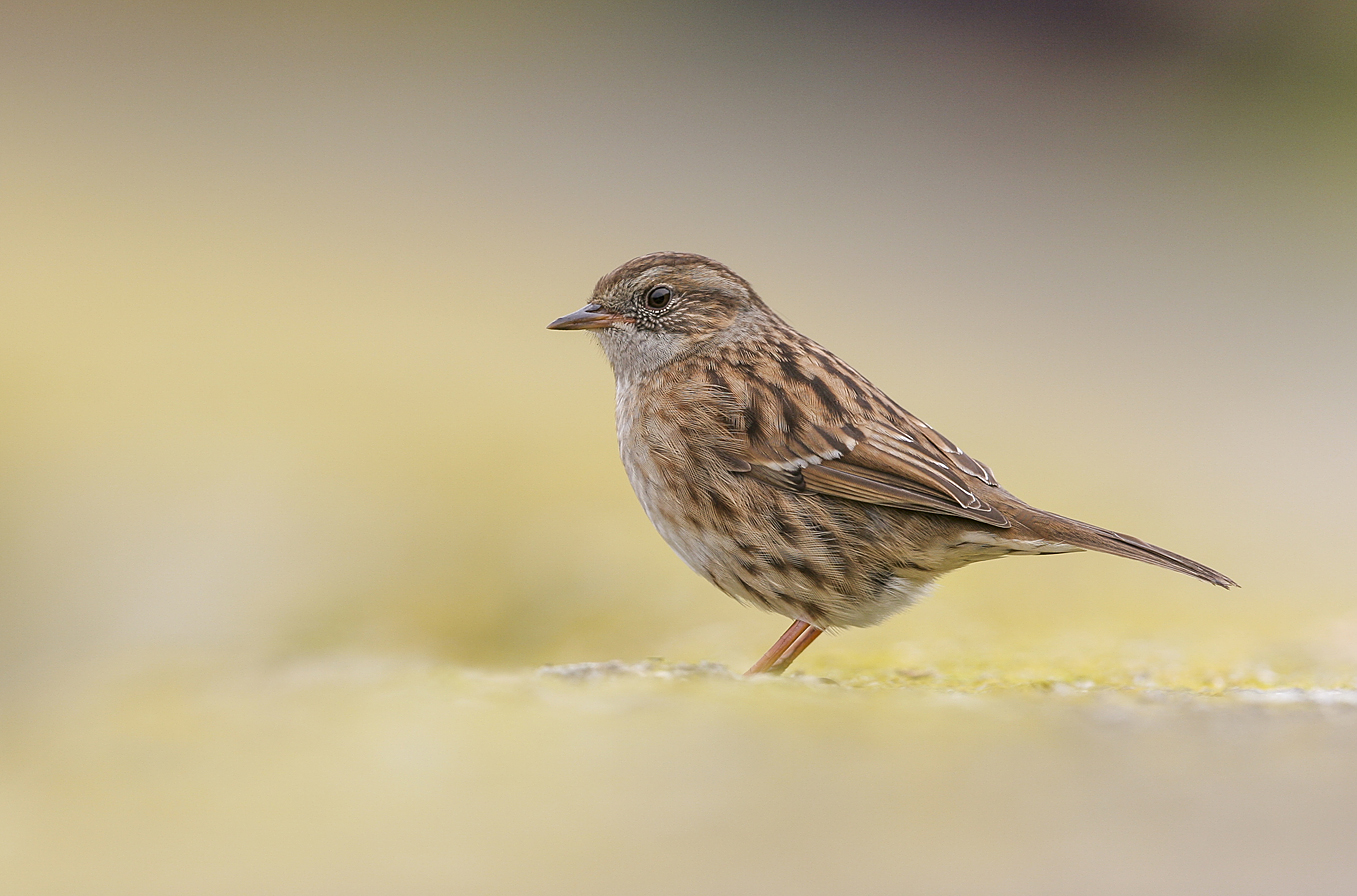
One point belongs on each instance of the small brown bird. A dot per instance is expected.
(785, 478)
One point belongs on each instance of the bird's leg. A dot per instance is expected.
(792, 652)
(769, 659)
(795, 639)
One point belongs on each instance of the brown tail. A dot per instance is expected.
(1053, 527)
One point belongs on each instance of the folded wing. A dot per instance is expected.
(806, 421)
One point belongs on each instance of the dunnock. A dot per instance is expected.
(785, 478)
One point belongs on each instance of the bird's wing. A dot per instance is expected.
(809, 422)
(890, 466)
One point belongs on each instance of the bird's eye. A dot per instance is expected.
(659, 296)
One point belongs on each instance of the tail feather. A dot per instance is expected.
(1054, 527)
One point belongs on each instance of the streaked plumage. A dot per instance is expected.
(781, 474)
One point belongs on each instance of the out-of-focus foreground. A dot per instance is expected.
(296, 485)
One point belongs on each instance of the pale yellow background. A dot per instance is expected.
(297, 489)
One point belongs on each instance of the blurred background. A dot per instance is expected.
(276, 391)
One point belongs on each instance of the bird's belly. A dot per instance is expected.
(770, 554)
(663, 505)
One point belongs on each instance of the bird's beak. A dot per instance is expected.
(590, 317)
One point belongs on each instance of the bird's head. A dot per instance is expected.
(663, 306)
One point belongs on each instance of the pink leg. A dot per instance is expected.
(787, 648)
(800, 644)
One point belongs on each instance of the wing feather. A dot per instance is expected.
(802, 411)
(860, 484)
